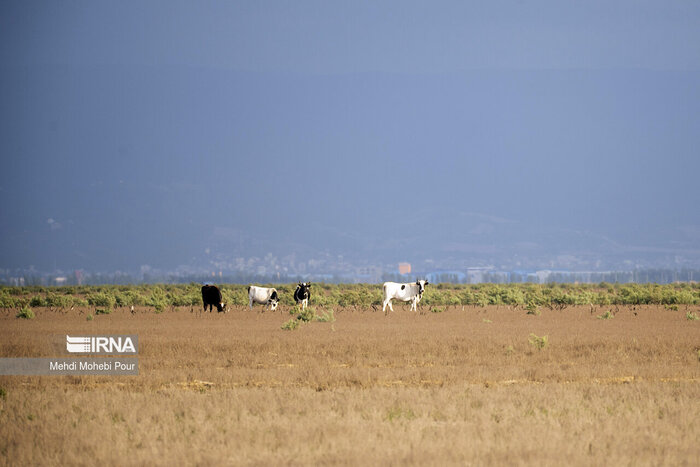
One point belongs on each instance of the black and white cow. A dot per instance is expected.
(211, 296)
(302, 294)
(266, 296)
(410, 292)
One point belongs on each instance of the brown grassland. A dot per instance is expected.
(462, 386)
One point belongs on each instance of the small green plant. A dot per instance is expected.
(690, 316)
(533, 309)
(89, 317)
(326, 316)
(291, 325)
(671, 307)
(398, 412)
(487, 321)
(105, 311)
(437, 309)
(607, 315)
(307, 314)
(510, 350)
(3, 394)
(25, 313)
(539, 342)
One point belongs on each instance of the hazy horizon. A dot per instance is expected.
(168, 134)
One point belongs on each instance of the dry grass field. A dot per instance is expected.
(464, 386)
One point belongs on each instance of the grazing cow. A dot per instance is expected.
(411, 292)
(302, 294)
(266, 296)
(211, 296)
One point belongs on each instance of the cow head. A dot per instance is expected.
(221, 306)
(421, 286)
(273, 301)
(303, 288)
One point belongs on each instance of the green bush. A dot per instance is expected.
(25, 313)
(291, 325)
(555, 296)
(37, 301)
(9, 300)
(238, 296)
(129, 298)
(679, 297)
(158, 299)
(59, 301)
(326, 316)
(533, 309)
(607, 315)
(307, 314)
(538, 342)
(350, 298)
(102, 299)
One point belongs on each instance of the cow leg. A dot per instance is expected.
(387, 302)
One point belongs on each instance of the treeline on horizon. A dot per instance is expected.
(168, 296)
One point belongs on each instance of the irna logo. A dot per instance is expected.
(102, 344)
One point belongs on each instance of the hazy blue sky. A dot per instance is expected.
(145, 132)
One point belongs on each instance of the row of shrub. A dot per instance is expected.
(161, 296)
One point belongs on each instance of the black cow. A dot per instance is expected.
(302, 294)
(211, 296)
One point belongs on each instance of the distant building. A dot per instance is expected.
(404, 268)
(61, 280)
(452, 277)
(477, 275)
